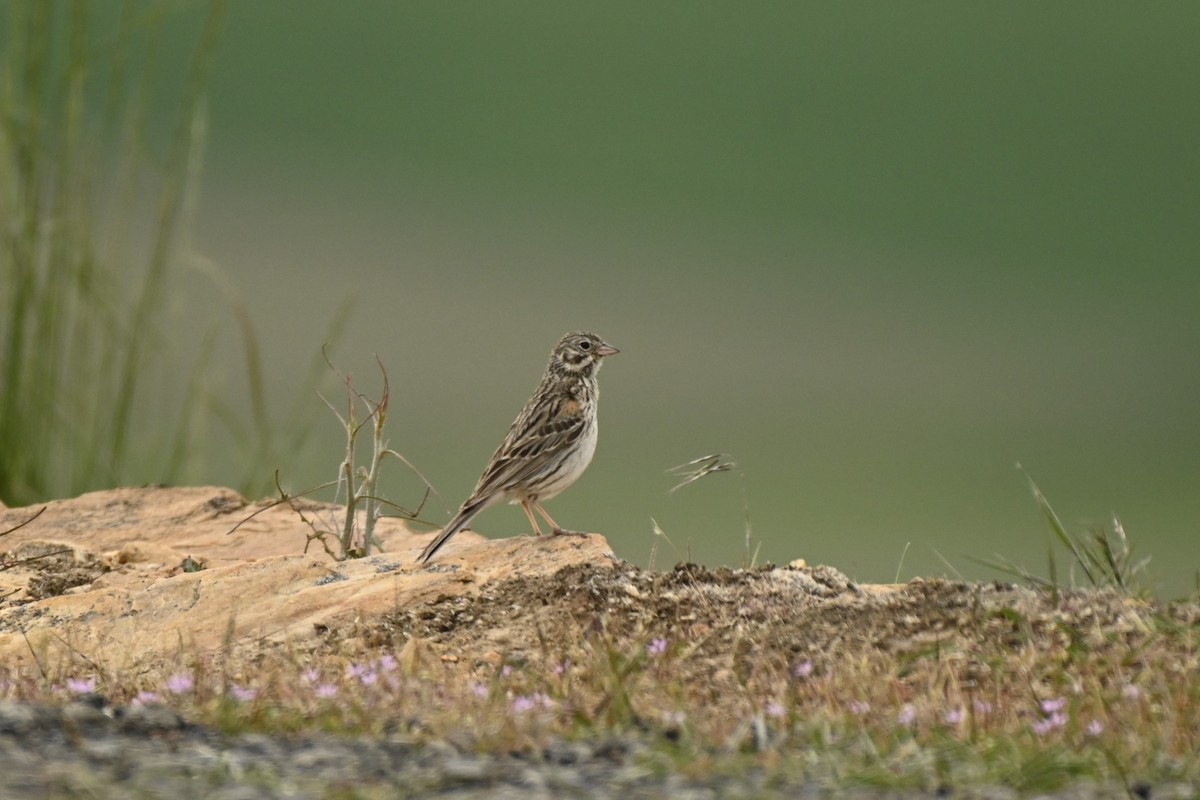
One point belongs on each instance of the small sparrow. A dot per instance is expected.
(550, 443)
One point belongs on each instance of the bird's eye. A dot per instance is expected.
(585, 345)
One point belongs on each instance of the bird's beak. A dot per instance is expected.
(606, 349)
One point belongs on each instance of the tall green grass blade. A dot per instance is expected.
(75, 356)
(1061, 532)
(185, 148)
(1104, 559)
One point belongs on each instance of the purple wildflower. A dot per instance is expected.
(560, 669)
(982, 707)
(365, 673)
(145, 698)
(242, 693)
(1130, 692)
(858, 707)
(325, 690)
(1055, 721)
(953, 716)
(179, 683)
(907, 714)
(479, 689)
(1095, 727)
(657, 646)
(522, 703)
(81, 685)
(387, 662)
(310, 675)
(775, 709)
(1052, 706)
(803, 669)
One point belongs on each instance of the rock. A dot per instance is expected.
(118, 554)
(150, 718)
(18, 719)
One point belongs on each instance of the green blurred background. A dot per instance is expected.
(880, 253)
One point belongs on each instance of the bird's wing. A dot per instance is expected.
(535, 443)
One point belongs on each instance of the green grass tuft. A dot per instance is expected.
(97, 202)
(1104, 558)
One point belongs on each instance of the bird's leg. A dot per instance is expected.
(536, 530)
(557, 530)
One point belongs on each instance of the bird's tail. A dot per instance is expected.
(460, 521)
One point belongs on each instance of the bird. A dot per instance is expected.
(550, 443)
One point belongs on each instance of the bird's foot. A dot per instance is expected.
(561, 532)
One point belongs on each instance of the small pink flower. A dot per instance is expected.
(522, 703)
(1053, 705)
(81, 685)
(953, 716)
(803, 669)
(1130, 692)
(242, 693)
(982, 707)
(907, 714)
(325, 690)
(657, 646)
(858, 707)
(506, 670)
(1095, 728)
(387, 662)
(145, 698)
(179, 683)
(479, 689)
(365, 674)
(775, 709)
(310, 675)
(560, 669)
(1053, 722)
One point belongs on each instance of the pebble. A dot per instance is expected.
(87, 749)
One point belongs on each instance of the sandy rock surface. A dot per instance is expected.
(106, 575)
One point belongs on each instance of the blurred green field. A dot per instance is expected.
(879, 253)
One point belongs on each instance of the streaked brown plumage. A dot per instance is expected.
(550, 443)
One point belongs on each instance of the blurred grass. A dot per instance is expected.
(82, 336)
(98, 212)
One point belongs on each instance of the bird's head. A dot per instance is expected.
(581, 353)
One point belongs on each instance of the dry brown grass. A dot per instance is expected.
(927, 685)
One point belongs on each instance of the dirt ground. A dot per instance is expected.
(733, 623)
(118, 582)
(136, 567)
